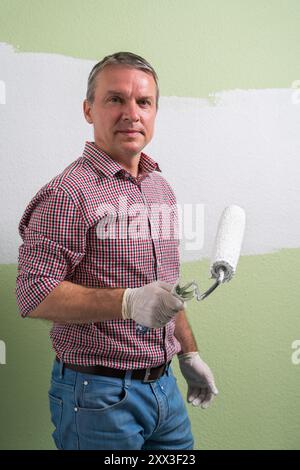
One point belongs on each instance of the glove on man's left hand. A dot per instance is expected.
(200, 379)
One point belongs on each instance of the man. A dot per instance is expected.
(116, 323)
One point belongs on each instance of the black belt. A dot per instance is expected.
(146, 375)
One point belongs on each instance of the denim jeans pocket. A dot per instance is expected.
(101, 394)
(56, 408)
(103, 415)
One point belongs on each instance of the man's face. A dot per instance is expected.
(125, 100)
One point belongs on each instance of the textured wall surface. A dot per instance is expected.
(227, 132)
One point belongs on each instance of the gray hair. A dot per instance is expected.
(120, 58)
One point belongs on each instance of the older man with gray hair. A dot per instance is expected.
(116, 322)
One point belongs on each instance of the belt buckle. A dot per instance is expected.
(146, 379)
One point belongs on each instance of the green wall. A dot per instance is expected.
(197, 46)
(244, 331)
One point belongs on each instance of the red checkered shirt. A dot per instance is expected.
(66, 232)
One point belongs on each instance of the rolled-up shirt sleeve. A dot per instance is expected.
(54, 238)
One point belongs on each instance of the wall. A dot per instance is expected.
(227, 132)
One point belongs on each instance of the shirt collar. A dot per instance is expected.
(110, 167)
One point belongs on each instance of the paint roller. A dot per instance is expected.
(227, 247)
(226, 253)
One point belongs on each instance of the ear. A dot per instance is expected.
(87, 111)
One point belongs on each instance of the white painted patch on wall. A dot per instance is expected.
(238, 147)
(2, 353)
(2, 92)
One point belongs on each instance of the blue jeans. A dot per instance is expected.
(99, 412)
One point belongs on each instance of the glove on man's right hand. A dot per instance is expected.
(152, 305)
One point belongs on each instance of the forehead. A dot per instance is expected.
(124, 78)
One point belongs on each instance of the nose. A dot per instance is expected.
(130, 112)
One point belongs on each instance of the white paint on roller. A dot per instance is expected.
(228, 242)
(242, 149)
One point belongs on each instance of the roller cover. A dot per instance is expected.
(228, 242)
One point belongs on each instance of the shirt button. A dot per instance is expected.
(75, 409)
(85, 382)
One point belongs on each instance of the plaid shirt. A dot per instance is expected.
(66, 232)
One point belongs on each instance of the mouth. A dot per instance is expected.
(130, 132)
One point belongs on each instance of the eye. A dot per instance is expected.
(145, 102)
(115, 99)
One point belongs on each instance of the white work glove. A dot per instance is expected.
(152, 305)
(200, 380)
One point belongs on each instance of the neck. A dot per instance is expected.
(129, 163)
